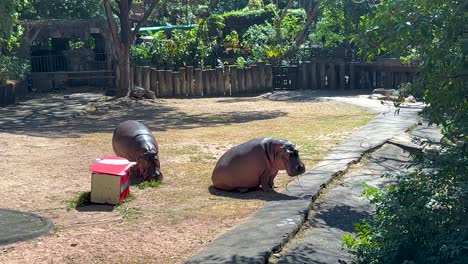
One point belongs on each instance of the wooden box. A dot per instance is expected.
(110, 180)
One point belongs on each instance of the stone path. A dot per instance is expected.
(273, 225)
(341, 206)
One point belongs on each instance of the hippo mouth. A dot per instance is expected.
(296, 170)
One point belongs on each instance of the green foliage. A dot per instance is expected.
(260, 40)
(148, 184)
(240, 20)
(423, 217)
(420, 219)
(13, 67)
(339, 22)
(84, 198)
(431, 34)
(59, 9)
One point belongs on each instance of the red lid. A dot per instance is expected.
(111, 165)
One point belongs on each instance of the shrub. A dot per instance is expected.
(420, 219)
(241, 20)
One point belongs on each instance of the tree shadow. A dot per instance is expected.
(58, 115)
(251, 194)
(341, 217)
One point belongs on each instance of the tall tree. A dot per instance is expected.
(118, 14)
(313, 9)
(58, 9)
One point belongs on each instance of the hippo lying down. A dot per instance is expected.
(256, 163)
(135, 142)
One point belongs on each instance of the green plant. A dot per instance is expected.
(421, 218)
(241, 63)
(13, 68)
(84, 198)
(148, 184)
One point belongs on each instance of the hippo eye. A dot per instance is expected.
(293, 154)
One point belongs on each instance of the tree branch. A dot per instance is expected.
(312, 14)
(280, 19)
(143, 19)
(112, 24)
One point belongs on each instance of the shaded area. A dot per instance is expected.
(69, 115)
(341, 217)
(16, 226)
(253, 193)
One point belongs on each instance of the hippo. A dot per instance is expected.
(134, 141)
(256, 163)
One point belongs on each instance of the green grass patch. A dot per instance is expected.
(148, 184)
(84, 198)
(129, 213)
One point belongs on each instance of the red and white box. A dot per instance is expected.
(110, 180)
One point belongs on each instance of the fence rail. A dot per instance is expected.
(231, 81)
(73, 68)
(341, 75)
(189, 81)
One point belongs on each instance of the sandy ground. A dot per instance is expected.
(47, 146)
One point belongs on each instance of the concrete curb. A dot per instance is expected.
(275, 223)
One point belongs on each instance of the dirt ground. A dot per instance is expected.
(46, 158)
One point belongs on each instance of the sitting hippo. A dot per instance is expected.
(134, 141)
(256, 163)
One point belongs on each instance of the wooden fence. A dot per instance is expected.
(341, 75)
(12, 92)
(189, 81)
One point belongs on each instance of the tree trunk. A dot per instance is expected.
(124, 81)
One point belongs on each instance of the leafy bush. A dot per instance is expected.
(195, 47)
(241, 20)
(423, 217)
(13, 67)
(420, 219)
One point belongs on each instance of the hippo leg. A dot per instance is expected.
(265, 182)
(272, 179)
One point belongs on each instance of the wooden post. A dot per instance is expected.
(198, 85)
(342, 74)
(183, 82)
(176, 83)
(190, 83)
(146, 77)
(304, 74)
(332, 76)
(293, 73)
(161, 83)
(322, 75)
(227, 81)
(352, 76)
(255, 79)
(248, 80)
(313, 75)
(139, 76)
(269, 77)
(206, 83)
(214, 88)
(154, 81)
(9, 94)
(261, 76)
(132, 75)
(3, 101)
(168, 90)
(219, 81)
(234, 82)
(241, 80)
